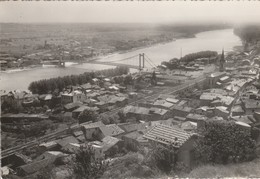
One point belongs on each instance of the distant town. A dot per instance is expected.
(166, 119)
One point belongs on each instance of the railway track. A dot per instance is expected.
(173, 90)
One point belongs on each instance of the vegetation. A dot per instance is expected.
(175, 62)
(45, 86)
(161, 158)
(203, 54)
(87, 115)
(247, 169)
(86, 166)
(224, 142)
(249, 33)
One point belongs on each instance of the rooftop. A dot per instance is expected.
(93, 125)
(109, 142)
(111, 130)
(168, 135)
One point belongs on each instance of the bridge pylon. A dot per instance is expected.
(141, 61)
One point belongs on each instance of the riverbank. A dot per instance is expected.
(210, 40)
(110, 54)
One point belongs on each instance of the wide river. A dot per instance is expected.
(210, 40)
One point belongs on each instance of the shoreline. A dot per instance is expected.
(15, 70)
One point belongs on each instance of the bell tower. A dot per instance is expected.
(222, 62)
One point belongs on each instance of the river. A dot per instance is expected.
(210, 40)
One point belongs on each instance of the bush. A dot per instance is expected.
(224, 142)
(162, 158)
(86, 166)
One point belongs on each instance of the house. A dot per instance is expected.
(177, 138)
(221, 111)
(72, 106)
(168, 122)
(237, 110)
(15, 160)
(248, 119)
(71, 148)
(195, 117)
(67, 140)
(146, 114)
(35, 166)
(52, 145)
(97, 147)
(181, 111)
(139, 113)
(4, 95)
(111, 130)
(213, 78)
(135, 140)
(72, 97)
(45, 99)
(111, 145)
(215, 99)
(205, 110)
(91, 130)
(250, 106)
(164, 104)
(189, 126)
(86, 86)
(67, 116)
(130, 127)
(76, 112)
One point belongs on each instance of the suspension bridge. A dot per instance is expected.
(139, 62)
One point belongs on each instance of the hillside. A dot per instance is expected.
(247, 169)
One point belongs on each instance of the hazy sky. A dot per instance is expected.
(128, 12)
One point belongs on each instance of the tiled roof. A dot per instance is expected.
(36, 166)
(108, 142)
(111, 130)
(65, 141)
(167, 135)
(82, 108)
(93, 125)
(73, 105)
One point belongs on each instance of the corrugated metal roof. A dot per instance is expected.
(167, 135)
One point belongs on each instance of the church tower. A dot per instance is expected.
(222, 62)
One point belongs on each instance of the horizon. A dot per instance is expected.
(130, 12)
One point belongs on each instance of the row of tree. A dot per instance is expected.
(49, 85)
(175, 62)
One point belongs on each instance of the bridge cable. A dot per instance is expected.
(150, 60)
(153, 65)
(123, 59)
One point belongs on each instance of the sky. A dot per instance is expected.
(130, 12)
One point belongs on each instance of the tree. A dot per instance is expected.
(153, 79)
(87, 115)
(161, 157)
(224, 142)
(85, 165)
(122, 116)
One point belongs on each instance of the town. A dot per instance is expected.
(120, 117)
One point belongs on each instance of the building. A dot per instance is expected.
(180, 140)
(213, 78)
(91, 130)
(72, 97)
(222, 62)
(135, 140)
(76, 112)
(111, 130)
(181, 111)
(250, 106)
